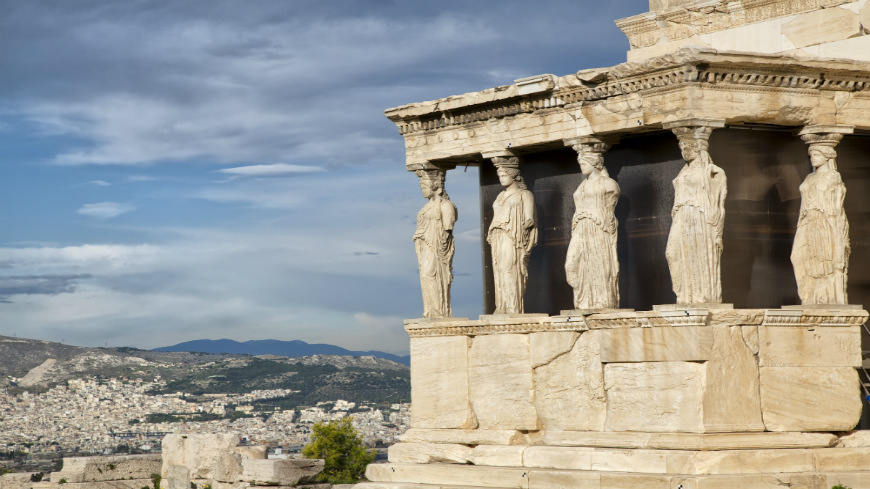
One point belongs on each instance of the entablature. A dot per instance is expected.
(637, 97)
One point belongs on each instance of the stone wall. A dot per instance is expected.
(692, 371)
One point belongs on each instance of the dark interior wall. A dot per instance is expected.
(764, 169)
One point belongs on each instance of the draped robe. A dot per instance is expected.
(511, 237)
(592, 266)
(820, 254)
(694, 248)
(434, 244)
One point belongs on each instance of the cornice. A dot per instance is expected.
(687, 67)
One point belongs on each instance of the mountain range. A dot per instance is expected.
(295, 348)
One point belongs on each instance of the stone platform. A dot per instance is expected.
(689, 397)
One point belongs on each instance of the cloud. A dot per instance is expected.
(100, 183)
(274, 170)
(105, 210)
(39, 284)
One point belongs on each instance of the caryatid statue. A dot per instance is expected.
(694, 248)
(820, 254)
(592, 266)
(434, 244)
(511, 236)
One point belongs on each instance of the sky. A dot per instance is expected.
(172, 171)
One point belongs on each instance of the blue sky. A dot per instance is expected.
(172, 171)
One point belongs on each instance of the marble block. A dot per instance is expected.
(664, 396)
(665, 344)
(569, 389)
(810, 398)
(439, 390)
(500, 382)
(730, 400)
(814, 346)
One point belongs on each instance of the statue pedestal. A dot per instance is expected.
(697, 397)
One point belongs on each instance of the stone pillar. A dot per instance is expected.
(592, 264)
(694, 248)
(512, 234)
(820, 253)
(433, 241)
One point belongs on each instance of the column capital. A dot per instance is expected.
(694, 122)
(824, 135)
(428, 165)
(499, 153)
(595, 144)
(503, 159)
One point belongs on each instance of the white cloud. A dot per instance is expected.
(100, 183)
(274, 170)
(105, 210)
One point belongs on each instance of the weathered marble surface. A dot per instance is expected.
(694, 248)
(500, 382)
(569, 387)
(810, 398)
(592, 265)
(820, 254)
(690, 371)
(831, 29)
(439, 391)
(512, 234)
(433, 241)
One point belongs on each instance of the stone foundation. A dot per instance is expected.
(692, 397)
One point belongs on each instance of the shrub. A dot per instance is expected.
(340, 446)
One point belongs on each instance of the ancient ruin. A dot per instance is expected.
(698, 334)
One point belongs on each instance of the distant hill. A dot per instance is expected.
(292, 349)
(37, 365)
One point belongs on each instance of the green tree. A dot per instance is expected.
(342, 449)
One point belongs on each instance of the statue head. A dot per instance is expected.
(432, 183)
(508, 171)
(823, 154)
(694, 141)
(591, 157)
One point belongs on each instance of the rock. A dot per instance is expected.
(200, 453)
(16, 481)
(95, 469)
(254, 452)
(857, 438)
(176, 477)
(274, 472)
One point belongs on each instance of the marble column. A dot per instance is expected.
(433, 241)
(512, 234)
(591, 264)
(820, 253)
(694, 248)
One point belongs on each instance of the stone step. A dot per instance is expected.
(649, 461)
(434, 476)
(410, 485)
